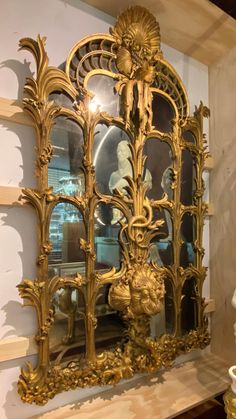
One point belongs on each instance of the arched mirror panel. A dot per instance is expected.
(105, 96)
(65, 169)
(163, 113)
(158, 168)
(189, 137)
(62, 99)
(111, 158)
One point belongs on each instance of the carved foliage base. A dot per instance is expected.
(111, 367)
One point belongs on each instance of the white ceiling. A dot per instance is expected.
(196, 27)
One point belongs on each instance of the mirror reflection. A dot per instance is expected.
(158, 168)
(163, 113)
(107, 227)
(188, 306)
(188, 185)
(65, 168)
(62, 100)
(188, 236)
(169, 306)
(163, 322)
(111, 158)
(110, 326)
(65, 231)
(67, 334)
(189, 137)
(105, 96)
(161, 249)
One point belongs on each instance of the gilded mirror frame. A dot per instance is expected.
(131, 56)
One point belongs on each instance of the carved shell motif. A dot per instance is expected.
(137, 35)
(140, 292)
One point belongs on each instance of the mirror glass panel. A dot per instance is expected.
(163, 113)
(188, 185)
(110, 326)
(65, 168)
(161, 249)
(105, 96)
(189, 137)
(158, 170)
(62, 100)
(188, 236)
(107, 227)
(65, 231)
(67, 334)
(164, 322)
(169, 307)
(111, 155)
(188, 305)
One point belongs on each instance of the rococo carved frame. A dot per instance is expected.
(130, 55)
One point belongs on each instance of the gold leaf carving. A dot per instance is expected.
(130, 56)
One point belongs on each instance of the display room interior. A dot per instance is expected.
(117, 195)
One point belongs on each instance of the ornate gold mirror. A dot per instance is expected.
(120, 212)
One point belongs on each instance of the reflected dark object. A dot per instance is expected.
(169, 307)
(105, 96)
(187, 255)
(110, 326)
(163, 113)
(65, 231)
(188, 306)
(106, 141)
(188, 235)
(107, 227)
(159, 160)
(187, 178)
(65, 168)
(189, 137)
(188, 232)
(166, 253)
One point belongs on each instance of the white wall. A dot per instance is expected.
(64, 23)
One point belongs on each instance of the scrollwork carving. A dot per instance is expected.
(131, 56)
